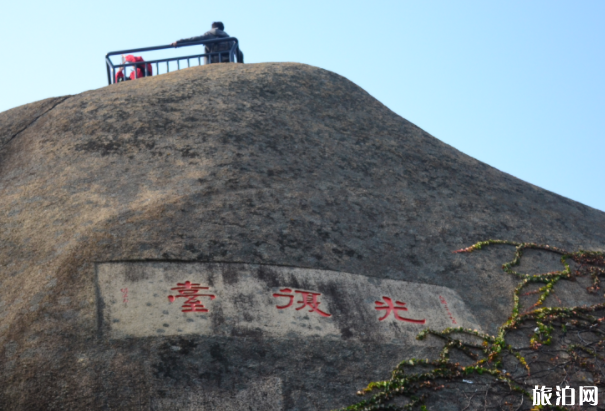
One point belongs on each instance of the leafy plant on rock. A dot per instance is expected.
(541, 343)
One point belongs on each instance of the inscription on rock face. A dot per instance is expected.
(138, 299)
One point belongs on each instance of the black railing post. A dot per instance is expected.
(108, 73)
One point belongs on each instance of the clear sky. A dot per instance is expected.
(517, 84)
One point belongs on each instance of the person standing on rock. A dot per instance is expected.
(217, 31)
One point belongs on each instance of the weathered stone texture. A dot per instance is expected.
(282, 164)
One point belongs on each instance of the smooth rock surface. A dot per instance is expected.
(268, 164)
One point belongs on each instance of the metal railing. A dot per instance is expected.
(221, 56)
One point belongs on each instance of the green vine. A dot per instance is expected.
(565, 345)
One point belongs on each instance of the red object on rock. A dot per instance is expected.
(139, 68)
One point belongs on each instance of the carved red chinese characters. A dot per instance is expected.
(389, 307)
(190, 291)
(308, 299)
(449, 313)
(124, 295)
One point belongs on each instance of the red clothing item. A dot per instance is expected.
(140, 68)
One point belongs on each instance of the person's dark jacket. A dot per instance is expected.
(223, 46)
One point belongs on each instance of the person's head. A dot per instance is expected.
(218, 25)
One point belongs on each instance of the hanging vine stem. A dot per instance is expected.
(487, 358)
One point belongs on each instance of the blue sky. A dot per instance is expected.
(519, 85)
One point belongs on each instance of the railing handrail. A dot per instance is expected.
(169, 46)
(163, 60)
(109, 63)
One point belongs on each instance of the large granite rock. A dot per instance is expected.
(289, 169)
